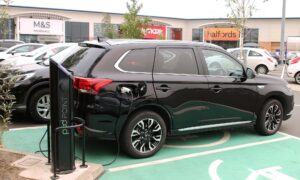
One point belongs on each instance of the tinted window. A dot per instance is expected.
(139, 60)
(175, 60)
(82, 59)
(222, 65)
(254, 53)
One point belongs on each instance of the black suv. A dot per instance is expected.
(139, 91)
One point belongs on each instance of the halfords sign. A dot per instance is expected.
(221, 34)
(41, 26)
(155, 32)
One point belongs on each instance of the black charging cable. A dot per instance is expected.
(116, 135)
(40, 145)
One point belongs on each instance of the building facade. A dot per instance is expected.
(60, 25)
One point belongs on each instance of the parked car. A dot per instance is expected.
(32, 91)
(275, 56)
(293, 69)
(257, 59)
(292, 56)
(38, 55)
(7, 43)
(140, 91)
(19, 49)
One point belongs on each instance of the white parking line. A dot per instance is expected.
(223, 140)
(166, 160)
(18, 129)
(297, 105)
(288, 135)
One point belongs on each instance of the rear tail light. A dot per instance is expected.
(269, 59)
(90, 85)
(295, 61)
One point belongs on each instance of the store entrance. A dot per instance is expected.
(226, 44)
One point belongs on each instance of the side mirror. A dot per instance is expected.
(46, 62)
(250, 73)
(13, 52)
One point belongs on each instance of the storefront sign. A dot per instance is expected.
(221, 34)
(41, 26)
(155, 32)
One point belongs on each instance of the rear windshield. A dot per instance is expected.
(82, 59)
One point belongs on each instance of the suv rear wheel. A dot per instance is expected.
(144, 134)
(39, 106)
(270, 118)
(262, 69)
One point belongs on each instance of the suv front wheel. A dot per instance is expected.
(270, 118)
(143, 135)
(39, 106)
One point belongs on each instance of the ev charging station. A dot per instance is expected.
(62, 126)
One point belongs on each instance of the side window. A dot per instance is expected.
(25, 48)
(219, 64)
(176, 60)
(254, 53)
(138, 60)
(236, 53)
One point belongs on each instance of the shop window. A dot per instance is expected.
(77, 31)
(251, 35)
(197, 35)
(105, 30)
(9, 31)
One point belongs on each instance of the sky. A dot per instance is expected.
(189, 9)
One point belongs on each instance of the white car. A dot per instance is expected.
(19, 49)
(293, 69)
(257, 59)
(37, 56)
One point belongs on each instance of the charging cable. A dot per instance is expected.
(124, 90)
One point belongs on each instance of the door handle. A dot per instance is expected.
(163, 88)
(216, 89)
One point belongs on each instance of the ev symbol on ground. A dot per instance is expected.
(272, 173)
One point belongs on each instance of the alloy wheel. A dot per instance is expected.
(273, 117)
(261, 70)
(297, 78)
(43, 106)
(146, 135)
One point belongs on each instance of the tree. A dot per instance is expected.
(133, 26)
(4, 16)
(108, 28)
(240, 11)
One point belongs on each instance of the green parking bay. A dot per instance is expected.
(234, 154)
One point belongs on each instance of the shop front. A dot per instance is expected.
(224, 37)
(40, 27)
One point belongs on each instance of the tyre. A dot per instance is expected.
(262, 69)
(297, 78)
(270, 118)
(39, 106)
(143, 135)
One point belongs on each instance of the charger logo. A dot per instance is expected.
(64, 115)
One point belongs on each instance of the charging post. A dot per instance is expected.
(61, 135)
